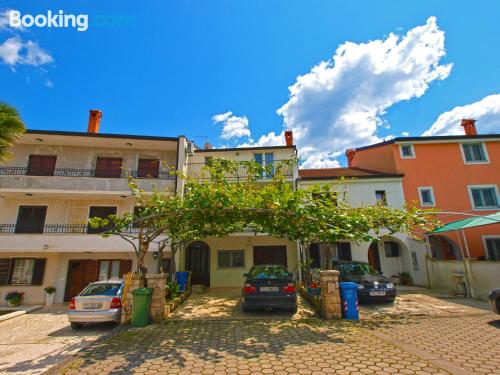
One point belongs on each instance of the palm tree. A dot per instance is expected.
(11, 128)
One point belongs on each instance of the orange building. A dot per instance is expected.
(458, 175)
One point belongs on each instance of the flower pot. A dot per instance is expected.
(14, 302)
(49, 299)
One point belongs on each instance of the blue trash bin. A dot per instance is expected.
(349, 295)
(182, 280)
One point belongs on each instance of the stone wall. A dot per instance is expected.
(330, 295)
(136, 282)
(158, 283)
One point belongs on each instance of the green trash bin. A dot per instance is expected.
(141, 306)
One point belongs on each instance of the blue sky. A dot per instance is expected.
(179, 63)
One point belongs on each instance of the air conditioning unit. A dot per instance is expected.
(190, 148)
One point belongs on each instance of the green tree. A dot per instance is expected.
(11, 128)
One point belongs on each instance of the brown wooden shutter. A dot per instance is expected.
(108, 167)
(148, 168)
(125, 266)
(5, 265)
(41, 165)
(38, 272)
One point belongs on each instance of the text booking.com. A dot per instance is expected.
(59, 19)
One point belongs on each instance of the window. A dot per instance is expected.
(407, 151)
(31, 219)
(267, 161)
(102, 212)
(381, 197)
(109, 269)
(426, 196)
(22, 271)
(148, 168)
(493, 248)
(484, 197)
(108, 167)
(231, 258)
(41, 165)
(474, 153)
(344, 251)
(391, 249)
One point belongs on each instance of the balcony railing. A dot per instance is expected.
(78, 172)
(57, 228)
(198, 171)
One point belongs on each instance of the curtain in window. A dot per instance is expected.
(23, 271)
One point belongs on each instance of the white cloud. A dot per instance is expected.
(405, 134)
(340, 102)
(15, 51)
(233, 127)
(486, 111)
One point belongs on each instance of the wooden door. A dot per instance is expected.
(41, 165)
(80, 274)
(270, 255)
(108, 167)
(31, 219)
(198, 262)
(374, 257)
(148, 168)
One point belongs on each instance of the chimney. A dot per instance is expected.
(469, 126)
(349, 153)
(94, 121)
(208, 146)
(289, 138)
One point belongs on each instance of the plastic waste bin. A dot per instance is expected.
(182, 280)
(141, 306)
(349, 296)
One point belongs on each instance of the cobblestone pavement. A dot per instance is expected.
(429, 342)
(34, 342)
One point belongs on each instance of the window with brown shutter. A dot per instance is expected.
(102, 212)
(31, 219)
(5, 265)
(22, 271)
(108, 167)
(41, 165)
(38, 272)
(148, 168)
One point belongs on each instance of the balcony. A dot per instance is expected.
(60, 238)
(75, 179)
(199, 171)
(57, 228)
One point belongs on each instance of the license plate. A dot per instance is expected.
(377, 293)
(269, 288)
(92, 305)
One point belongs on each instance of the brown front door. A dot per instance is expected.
(373, 256)
(198, 262)
(270, 255)
(80, 274)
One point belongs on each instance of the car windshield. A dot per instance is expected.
(268, 272)
(101, 290)
(357, 269)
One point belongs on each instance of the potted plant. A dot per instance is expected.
(314, 289)
(49, 295)
(14, 298)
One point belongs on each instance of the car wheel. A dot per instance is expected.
(245, 308)
(76, 325)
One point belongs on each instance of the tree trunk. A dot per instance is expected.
(143, 250)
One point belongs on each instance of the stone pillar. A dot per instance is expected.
(158, 283)
(330, 295)
(136, 283)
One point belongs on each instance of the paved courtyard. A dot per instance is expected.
(442, 336)
(32, 343)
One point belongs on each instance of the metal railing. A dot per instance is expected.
(79, 172)
(199, 171)
(56, 228)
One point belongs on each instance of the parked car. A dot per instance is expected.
(494, 298)
(98, 302)
(268, 287)
(372, 285)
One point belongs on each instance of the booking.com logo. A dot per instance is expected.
(59, 19)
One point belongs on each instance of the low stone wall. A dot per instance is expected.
(330, 294)
(136, 282)
(158, 282)
(170, 306)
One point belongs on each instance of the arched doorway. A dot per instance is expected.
(373, 256)
(198, 262)
(443, 247)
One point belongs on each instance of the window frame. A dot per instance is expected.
(471, 197)
(412, 156)
(485, 244)
(37, 276)
(391, 255)
(91, 230)
(265, 175)
(485, 152)
(383, 201)
(433, 198)
(20, 207)
(231, 259)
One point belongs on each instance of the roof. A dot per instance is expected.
(470, 222)
(437, 139)
(245, 148)
(332, 173)
(101, 135)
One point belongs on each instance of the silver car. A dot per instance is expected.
(98, 302)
